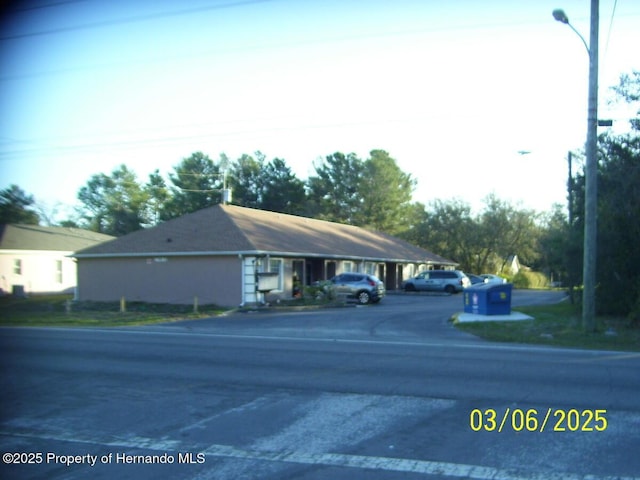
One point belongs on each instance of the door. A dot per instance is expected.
(297, 281)
(421, 282)
(341, 284)
(331, 270)
(434, 281)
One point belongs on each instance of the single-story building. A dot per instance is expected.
(36, 259)
(230, 255)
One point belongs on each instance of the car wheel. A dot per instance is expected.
(363, 298)
(450, 289)
(409, 287)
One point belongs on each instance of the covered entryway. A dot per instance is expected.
(315, 270)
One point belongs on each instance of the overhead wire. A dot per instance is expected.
(27, 8)
(613, 13)
(133, 19)
(179, 139)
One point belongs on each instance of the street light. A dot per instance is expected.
(591, 170)
(560, 16)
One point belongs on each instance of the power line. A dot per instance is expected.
(134, 19)
(23, 8)
(176, 140)
(208, 53)
(613, 12)
(289, 44)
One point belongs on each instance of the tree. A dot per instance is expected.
(15, 206)
(283, 191)
(272, 185)
(482, 243)
(334, 191)
(619, 226)
(553, 247)
(385, 192)
(114, 205)
(617, 277)
(450, 230)
(197, 184)
(506, 231)
(629, 91)
(246, 180)
(158, 195)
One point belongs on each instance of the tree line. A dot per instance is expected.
(375, 193)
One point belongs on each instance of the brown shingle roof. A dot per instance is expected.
(36, 237)
(229, 228)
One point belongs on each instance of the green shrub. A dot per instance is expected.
(524, 279)
(320, 291)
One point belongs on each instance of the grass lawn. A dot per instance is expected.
(559, 325)
(60, 311)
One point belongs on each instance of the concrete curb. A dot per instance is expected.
(475, 317)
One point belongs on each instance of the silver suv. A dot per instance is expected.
(449, 281)
(361, 286)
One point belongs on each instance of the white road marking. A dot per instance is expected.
(141, 330)
(425, 467)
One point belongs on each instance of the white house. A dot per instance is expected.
(36, 259)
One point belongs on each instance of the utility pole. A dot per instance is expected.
(570, 187)
(591, 170)
(591, 181)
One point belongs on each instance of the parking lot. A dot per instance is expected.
(399, 316)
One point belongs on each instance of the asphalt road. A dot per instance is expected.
(383, 392)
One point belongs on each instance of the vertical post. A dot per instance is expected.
(570, 187)
(591, 181)
(224, 187)
(195, 304)
(123, 305)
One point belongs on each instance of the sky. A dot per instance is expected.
(454, 90)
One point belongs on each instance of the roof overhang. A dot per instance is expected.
(258, 253)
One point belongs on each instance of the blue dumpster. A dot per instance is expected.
(488, 299)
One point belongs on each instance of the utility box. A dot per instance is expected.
(267, 281)
(488, 299)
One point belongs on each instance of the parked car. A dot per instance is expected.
(475, 279)
(490, 278)
(363, 287)
(449, 281)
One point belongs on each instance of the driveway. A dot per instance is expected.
(409, 317)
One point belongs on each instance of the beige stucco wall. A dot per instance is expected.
(178, 280)
(39, 271)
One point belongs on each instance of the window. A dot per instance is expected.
(275, 266)
(347, 266)
(59, 271)
(410, 271)
(17, 266)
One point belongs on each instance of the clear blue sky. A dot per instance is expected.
(451, 89)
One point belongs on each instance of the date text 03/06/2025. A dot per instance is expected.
(532, 420)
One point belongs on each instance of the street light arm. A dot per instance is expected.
(581, 38)
(561, 17)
